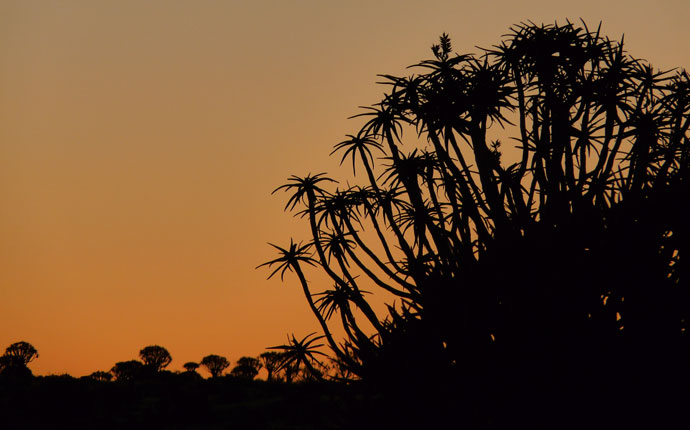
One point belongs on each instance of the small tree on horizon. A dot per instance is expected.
(16, 358)
(215, 364)
(271, 362)
(190, 366)
(155, 357)
(22, 352)
(246, 368)
(301, 355)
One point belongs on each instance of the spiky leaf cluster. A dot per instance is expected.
(570, 239)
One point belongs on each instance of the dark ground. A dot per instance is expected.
(174, 401)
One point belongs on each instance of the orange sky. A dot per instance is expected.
(140, 142)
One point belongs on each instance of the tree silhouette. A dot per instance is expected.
(155, 357)
(16, 358)
(190, 366)
(127, 370)
(215, 364)
(558, 258)
(270, 361)
(246, 368)
(22, 352)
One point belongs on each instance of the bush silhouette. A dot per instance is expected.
(551, 266)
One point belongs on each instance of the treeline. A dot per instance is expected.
(290, 364)
(143, 393)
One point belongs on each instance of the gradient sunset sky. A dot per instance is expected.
(140, 142)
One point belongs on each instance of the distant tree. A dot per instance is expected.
(271, 362)
(17, 356)
(215, 364)
(23, 352)
(190, 366)
(127, 370)
(246, 368)
(155, 357)
(100, 375)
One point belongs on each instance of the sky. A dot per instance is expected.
(140, 142)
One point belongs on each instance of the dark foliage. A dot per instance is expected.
(22, 352)
(179, 402)
(246, 368)
(543, 280)
(155, 357)
(190, 366)
(128, 370)
(100, 375)
(297, 354)
(270, 360)
(215, 364)
(14, 362)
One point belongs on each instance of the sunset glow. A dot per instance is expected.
(140, 143)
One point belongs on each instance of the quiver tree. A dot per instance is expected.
(560, 255)
(215, 364)
(190, 366)
(270, 360)
(14, 362)
(155, 357)
(246, 368)
(22, 353)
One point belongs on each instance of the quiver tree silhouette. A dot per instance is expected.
(22, 352)
(190, 366)
(270, 360)
(155, 357)
(215, 364)
(558, 258)
(14, 362)
(246, 368)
